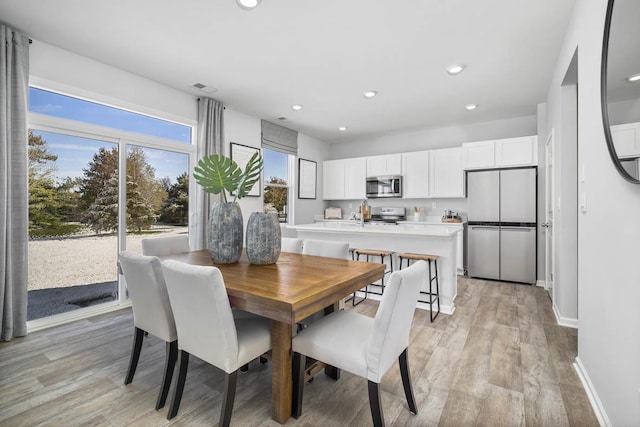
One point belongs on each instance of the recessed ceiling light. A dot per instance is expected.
(471, 107)
(455, 69)
(634, 78)
(370, 94)
(296, 107)
(248, 4)
(342, 128)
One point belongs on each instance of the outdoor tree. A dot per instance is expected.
(145, 193)
(176, 208)
(276, 196)
(43, 200)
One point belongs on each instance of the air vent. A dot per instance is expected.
(282, 118)
(204, 88)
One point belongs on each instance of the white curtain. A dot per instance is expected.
(210, 141)
(14, 192)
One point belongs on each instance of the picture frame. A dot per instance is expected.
(241, 154)
(307, 177)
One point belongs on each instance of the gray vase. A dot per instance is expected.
(263, 238)
(225, 233)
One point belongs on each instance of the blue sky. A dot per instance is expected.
(75, 153)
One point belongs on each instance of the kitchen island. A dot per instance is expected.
(435, 240)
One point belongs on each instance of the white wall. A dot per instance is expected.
(432, 138)
(608, 234)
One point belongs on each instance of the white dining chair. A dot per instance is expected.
(291, 244)
(210, 330)
(162, 246)
(365, 346)
(151, 313)
(325, 248)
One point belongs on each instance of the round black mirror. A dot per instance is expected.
(620, 86)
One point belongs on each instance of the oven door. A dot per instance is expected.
(384, 186)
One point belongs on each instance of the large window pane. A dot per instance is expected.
(53, 104)
(276, 183)
(157, 194)
(73, 222)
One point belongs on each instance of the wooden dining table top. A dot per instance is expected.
(293, 288)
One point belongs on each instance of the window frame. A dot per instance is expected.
(291, 186)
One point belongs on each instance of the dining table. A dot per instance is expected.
(287, 292)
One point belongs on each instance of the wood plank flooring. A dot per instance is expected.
(500, 360)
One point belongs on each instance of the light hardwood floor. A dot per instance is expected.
(500, 360)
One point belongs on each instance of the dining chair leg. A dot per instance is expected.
(183, 364)
(263, 360)
(169, 365)
(406, 381)
(230, 383)
(375, 404)
(244, 368)
(298, 364)
(138, 336)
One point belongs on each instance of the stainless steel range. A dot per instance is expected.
(387, 215)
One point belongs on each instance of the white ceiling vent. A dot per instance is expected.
(204, 88)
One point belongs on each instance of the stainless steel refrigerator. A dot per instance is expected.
(502, 219)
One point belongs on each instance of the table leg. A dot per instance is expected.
(281, 381)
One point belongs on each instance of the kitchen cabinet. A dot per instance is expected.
(446, 176)
(344, 179)
(500, 153)
(389, 164)
(626, 139)
(415, 167)
(479, 155)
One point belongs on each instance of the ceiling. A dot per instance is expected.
(323, 55)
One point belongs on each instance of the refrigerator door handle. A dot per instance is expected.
(483, 227)
(527, 229)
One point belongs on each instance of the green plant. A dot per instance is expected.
(219, 174)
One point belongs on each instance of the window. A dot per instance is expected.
(277, 183)
(100, 180)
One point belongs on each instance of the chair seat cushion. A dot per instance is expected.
(339, 339)
(254, 335)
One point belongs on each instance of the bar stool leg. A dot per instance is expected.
(435, 263)
(366, 289)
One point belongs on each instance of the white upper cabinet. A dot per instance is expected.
(479, 155)
(415, 179)
(389, 164)
(501, 153)
(355, 172)
(344, 179)
(626, 139)
(521, 151)
(446, 175)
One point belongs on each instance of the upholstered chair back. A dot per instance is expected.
(162, 246)
(148, 292)
(392, 323)
(325, 248)
(291, 244)
(203, 314)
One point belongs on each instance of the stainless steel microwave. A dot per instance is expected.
(384, 186)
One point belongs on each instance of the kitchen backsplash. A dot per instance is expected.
(455, 205)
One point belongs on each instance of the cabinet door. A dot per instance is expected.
(478, 155)
(521, 151)
(415, 179)
(389, 164)
(626, 139)
(446, 177)
(355, 173)
(333, 180)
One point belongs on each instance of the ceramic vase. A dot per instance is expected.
(263, 238)
(225, 233)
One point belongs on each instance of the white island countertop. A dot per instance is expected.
(405, 229)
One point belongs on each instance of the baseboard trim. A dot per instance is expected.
(595, 401)
(541, 283)
(72, 316)
(564, 321)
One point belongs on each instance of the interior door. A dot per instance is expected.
(548, 209)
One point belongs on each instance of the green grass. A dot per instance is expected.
(64, 229)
